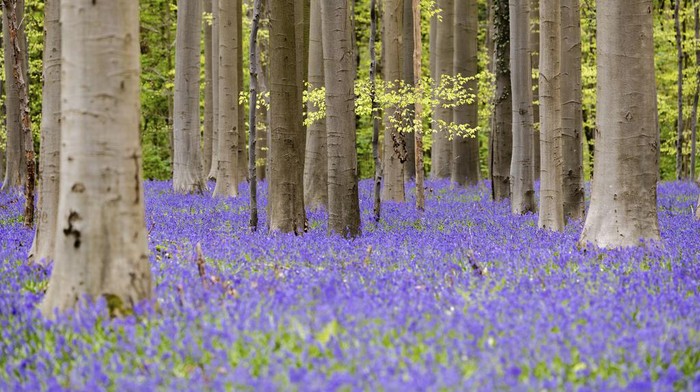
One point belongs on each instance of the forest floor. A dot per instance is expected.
(465, 296)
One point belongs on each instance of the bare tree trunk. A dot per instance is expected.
(316, 157)
(465, 150)
(572, 114)
(623, 193)
(501, 140)
(208, 92)
(394, 141)
(252, 138)
(286, 154)
(679, 49)
(242, 150)
(442, 145)
(101, 247)
(521, 173)
(302, 12)
(417, 83)
(375, 111)
(696, 96)
(187, 163)
(263, 114)
(42, 249)
(16, 164)
(216, 66)
(409, 170)
(229, 86)
(535, 61)
(551, 199)
(339, 68)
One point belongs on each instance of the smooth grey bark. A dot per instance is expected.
(418, 120)
(465, 150)
(187, 162)
(501, 139)
(286, 154)
(522, 189)
(101, 244)
(409, 170)
(551, 215)
(15, 161)
(394, 142)
(339, 71)
(623, 193)
(252, 137)
(42, 249)
(263, 114)
(444, 47)
(227, 173)
(242, 161)
(679, 84)
(377, 199)
(535, 61)
(208, 92)
(316, 157)
(215, 89)
(572, 113)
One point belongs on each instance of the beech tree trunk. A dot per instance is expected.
(187, 162)
(442, 145)
(263, 114)
(252, 138)
(216, 66)
(501, 139)
(522, 192)
(227, 168)
(339, 68)
(242, 162)
(679, 129)
(572, 113)
(375, 110)
(286, 154)
(551, 200)
(465, 150)
(418, 121)
(696, 97)
(101, 244)
(16, 164)
(316, 157)
(394, 142)
(535, 61)
(208, 92)
(409, 170)
(623, 194)
(42, 249)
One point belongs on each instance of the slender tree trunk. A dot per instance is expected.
(242, 155)
(286, 154)
(227, 173)
(302, 12)
(101, 244)
(501, 140)
(623, 193)
(339, 68)
(42, 249)
(521, 173)
(679, 50)
(375, 111)
(572, 113)
(216, 66)
(252, 138)
(409, 170)
(465, 150)
(442, 145)
(696, 96)
(263, 114)
(16, 165)
(394, 142)
(535, 61)
(19, 72)
(208, 92)
(316, 157)
(187, 163)
(551, 199)
(418, 121)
